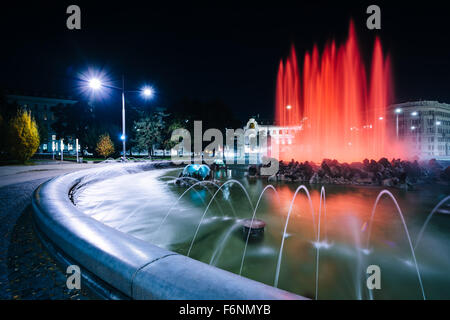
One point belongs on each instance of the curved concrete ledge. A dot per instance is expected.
(136, 269)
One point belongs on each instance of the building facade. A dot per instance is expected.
(277, 138)
(41, 109)
(423, 126)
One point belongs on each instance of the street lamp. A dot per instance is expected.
(438, 123)
(96, 84)
(397, 112)
(147, 92)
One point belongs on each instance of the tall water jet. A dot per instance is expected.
(288, 104)
(341, 108)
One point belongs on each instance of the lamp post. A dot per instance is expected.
(62, 149)
(438, 123)
(76, 141)
(96, 84)
(123, 120)
(397, 112)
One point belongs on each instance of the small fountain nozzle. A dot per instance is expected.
(254, 230)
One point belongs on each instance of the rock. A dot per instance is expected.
(364, 181)
(315, 179)
(335, 171)
(445, 175)
(382, 172)
(252, 171)
(385, 163)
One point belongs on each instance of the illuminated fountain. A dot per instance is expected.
(318, 241)
(314, 240)
(341, 106)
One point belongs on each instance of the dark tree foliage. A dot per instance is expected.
(81, 120)
(150, 132)
(213, 114)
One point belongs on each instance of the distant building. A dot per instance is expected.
(41, 109)
(278, 138)
(424, 126)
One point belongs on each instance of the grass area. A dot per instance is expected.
(72, 158)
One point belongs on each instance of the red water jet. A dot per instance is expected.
(342, 109)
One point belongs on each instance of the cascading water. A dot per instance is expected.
(341, 107)
(319, 256)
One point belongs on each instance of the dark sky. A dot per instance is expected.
(203, 50)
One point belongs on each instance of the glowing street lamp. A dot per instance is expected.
(438, 123)
(397, 112)
(289, 107)
(147, 92)
(96, 84)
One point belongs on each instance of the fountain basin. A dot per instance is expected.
(117, 265)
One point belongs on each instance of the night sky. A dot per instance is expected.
(205, 51)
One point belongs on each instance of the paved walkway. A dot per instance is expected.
(27, 271)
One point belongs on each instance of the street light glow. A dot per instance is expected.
(438, 123)
(95, 83)
(289, 107)
(398, 110)
(415, 113)
(148, 92)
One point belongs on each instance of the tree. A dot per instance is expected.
(105, 146)
(77, 121)
(23, 136)
(213, 114)
(172, 124)
(150, 131)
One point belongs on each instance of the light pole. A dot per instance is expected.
(438, 123)
(123, 120)
(62, 149)
(397, 112)
(76, 141)
(147, 92)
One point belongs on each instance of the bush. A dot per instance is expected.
(105, 146)
(23, 136)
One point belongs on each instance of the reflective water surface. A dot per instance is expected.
(204, 223)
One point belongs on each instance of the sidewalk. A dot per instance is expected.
(26, 269)
(45, 169)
